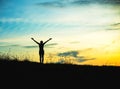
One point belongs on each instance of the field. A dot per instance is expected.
(24, 74)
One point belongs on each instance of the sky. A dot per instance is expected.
(82, 31)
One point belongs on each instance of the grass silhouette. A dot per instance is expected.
(26, 73)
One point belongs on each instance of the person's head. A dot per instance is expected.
(41, 41)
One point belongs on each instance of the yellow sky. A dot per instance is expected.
(102, 46)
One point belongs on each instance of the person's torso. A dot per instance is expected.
(41, 47)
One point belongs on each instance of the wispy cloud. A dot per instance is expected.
(114, 29)
(14, 20)
(75, 55)
(19, 20)
(74, 42)
(115, 26)
(65, 3)
(10, 46)
(16, 45)
(51, 45)
(30, 46)
(70, 53)
(47, 45)
(51, 4)
(7, 44)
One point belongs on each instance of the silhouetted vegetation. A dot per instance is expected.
(26, 73)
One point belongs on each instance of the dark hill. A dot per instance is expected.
(31, 74)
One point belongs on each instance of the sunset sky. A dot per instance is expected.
(82, 31)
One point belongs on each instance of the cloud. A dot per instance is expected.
(70, 53)
(14, 45)
(48, 46)
(113, 2)
(51, 4)
(82, 59)
(30, 46)
(115, 26)
(65, 3)
(6, 44)
(61, 61)
(11, 19)
(74, 42)
(19, 20)
(51, 45)
(73, 54)
(114, 29)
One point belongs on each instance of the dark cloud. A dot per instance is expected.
(80, 2)
(115, 26)
(6, 44)
(59, 4)
(107, 1)
(75, 55)
(51, 45)
(51, 4)
(114, 29)
(71, 53)
(14, 45)
(10, 46)
(61, 61)
(82, 59)
(64, 3)
(48, 45)
(30, 46)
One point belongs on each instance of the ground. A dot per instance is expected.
(14, 74)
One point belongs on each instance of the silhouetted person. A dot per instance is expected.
(41, 48)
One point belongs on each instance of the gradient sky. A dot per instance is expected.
(83, 31)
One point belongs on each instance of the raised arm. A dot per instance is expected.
(47, 40)
(34, 40)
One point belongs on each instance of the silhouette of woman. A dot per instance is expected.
(41, 48)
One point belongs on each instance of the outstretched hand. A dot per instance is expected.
(32, 38)
(50, 38)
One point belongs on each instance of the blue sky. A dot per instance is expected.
(24, 17)
(73, 24)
